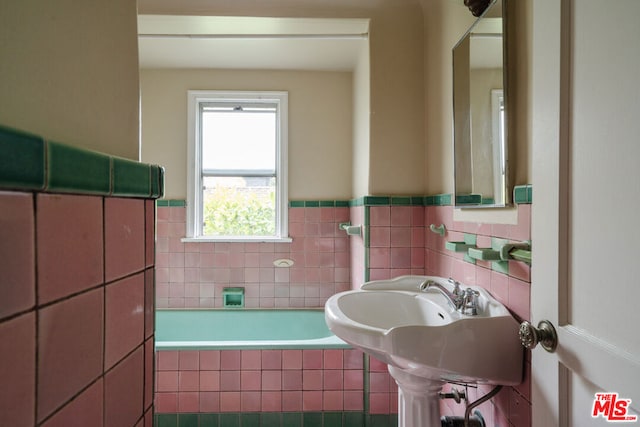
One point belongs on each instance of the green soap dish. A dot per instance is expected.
(458, 246)
(233, 297)
(484, 254)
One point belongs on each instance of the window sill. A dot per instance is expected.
(208, 239)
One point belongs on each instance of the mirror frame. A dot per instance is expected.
(467, 201)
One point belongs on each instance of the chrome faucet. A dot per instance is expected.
(464, 301)
(469, 302)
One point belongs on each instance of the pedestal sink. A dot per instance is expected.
(425, 342)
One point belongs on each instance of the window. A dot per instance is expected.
(237, 166)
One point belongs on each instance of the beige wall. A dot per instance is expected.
(320, 125)
(397, 104)
(69, 71)
(395, 163)
(361, 125)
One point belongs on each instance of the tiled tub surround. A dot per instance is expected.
(259, 381)
(193, 275)
(76, 293)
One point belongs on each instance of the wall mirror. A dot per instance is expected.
(480, 113)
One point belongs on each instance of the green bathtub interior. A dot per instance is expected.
(243, 329)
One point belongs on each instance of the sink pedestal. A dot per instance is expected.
(418, 400)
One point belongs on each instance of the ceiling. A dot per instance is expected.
(251, 43)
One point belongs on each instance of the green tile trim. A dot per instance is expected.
(275, 419)
(382, 420)
(417, 201)
(318, 203)
(174, 203)
(29, 162)
(249, 420)
(438, 200)
(312, 419)
(523, 194)
(388, 201)
(209, 420)
(269, 419)
(21, 160)
(188, 420)
(367, 224)
(353, 419)
(332, 419)
(367, 242)
(357, 202)
(433, 200)
(157, 181)
(229, 420)
(73, 170)
(166, 420)
(130, 178)
(443, 200)
(377, 200)
(293, 419)
(401, 201)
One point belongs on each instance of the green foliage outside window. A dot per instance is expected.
(233, 212)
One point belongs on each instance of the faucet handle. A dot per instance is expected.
(456, 287)
(470, 302)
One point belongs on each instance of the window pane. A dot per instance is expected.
(239, 206)
(240, 140)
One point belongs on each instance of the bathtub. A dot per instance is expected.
(244, 329)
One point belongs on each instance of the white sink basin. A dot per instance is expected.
(421, 334)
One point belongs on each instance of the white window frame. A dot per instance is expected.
(194, 163)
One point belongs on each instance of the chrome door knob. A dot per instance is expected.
(545, 334)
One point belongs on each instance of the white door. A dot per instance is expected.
(586, 209)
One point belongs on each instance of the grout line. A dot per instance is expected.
(104, 307)
(35, 308)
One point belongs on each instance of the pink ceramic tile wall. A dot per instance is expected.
(87, 360)
(396, 242)
(259, 381)
(193, 275)
(513, 404)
